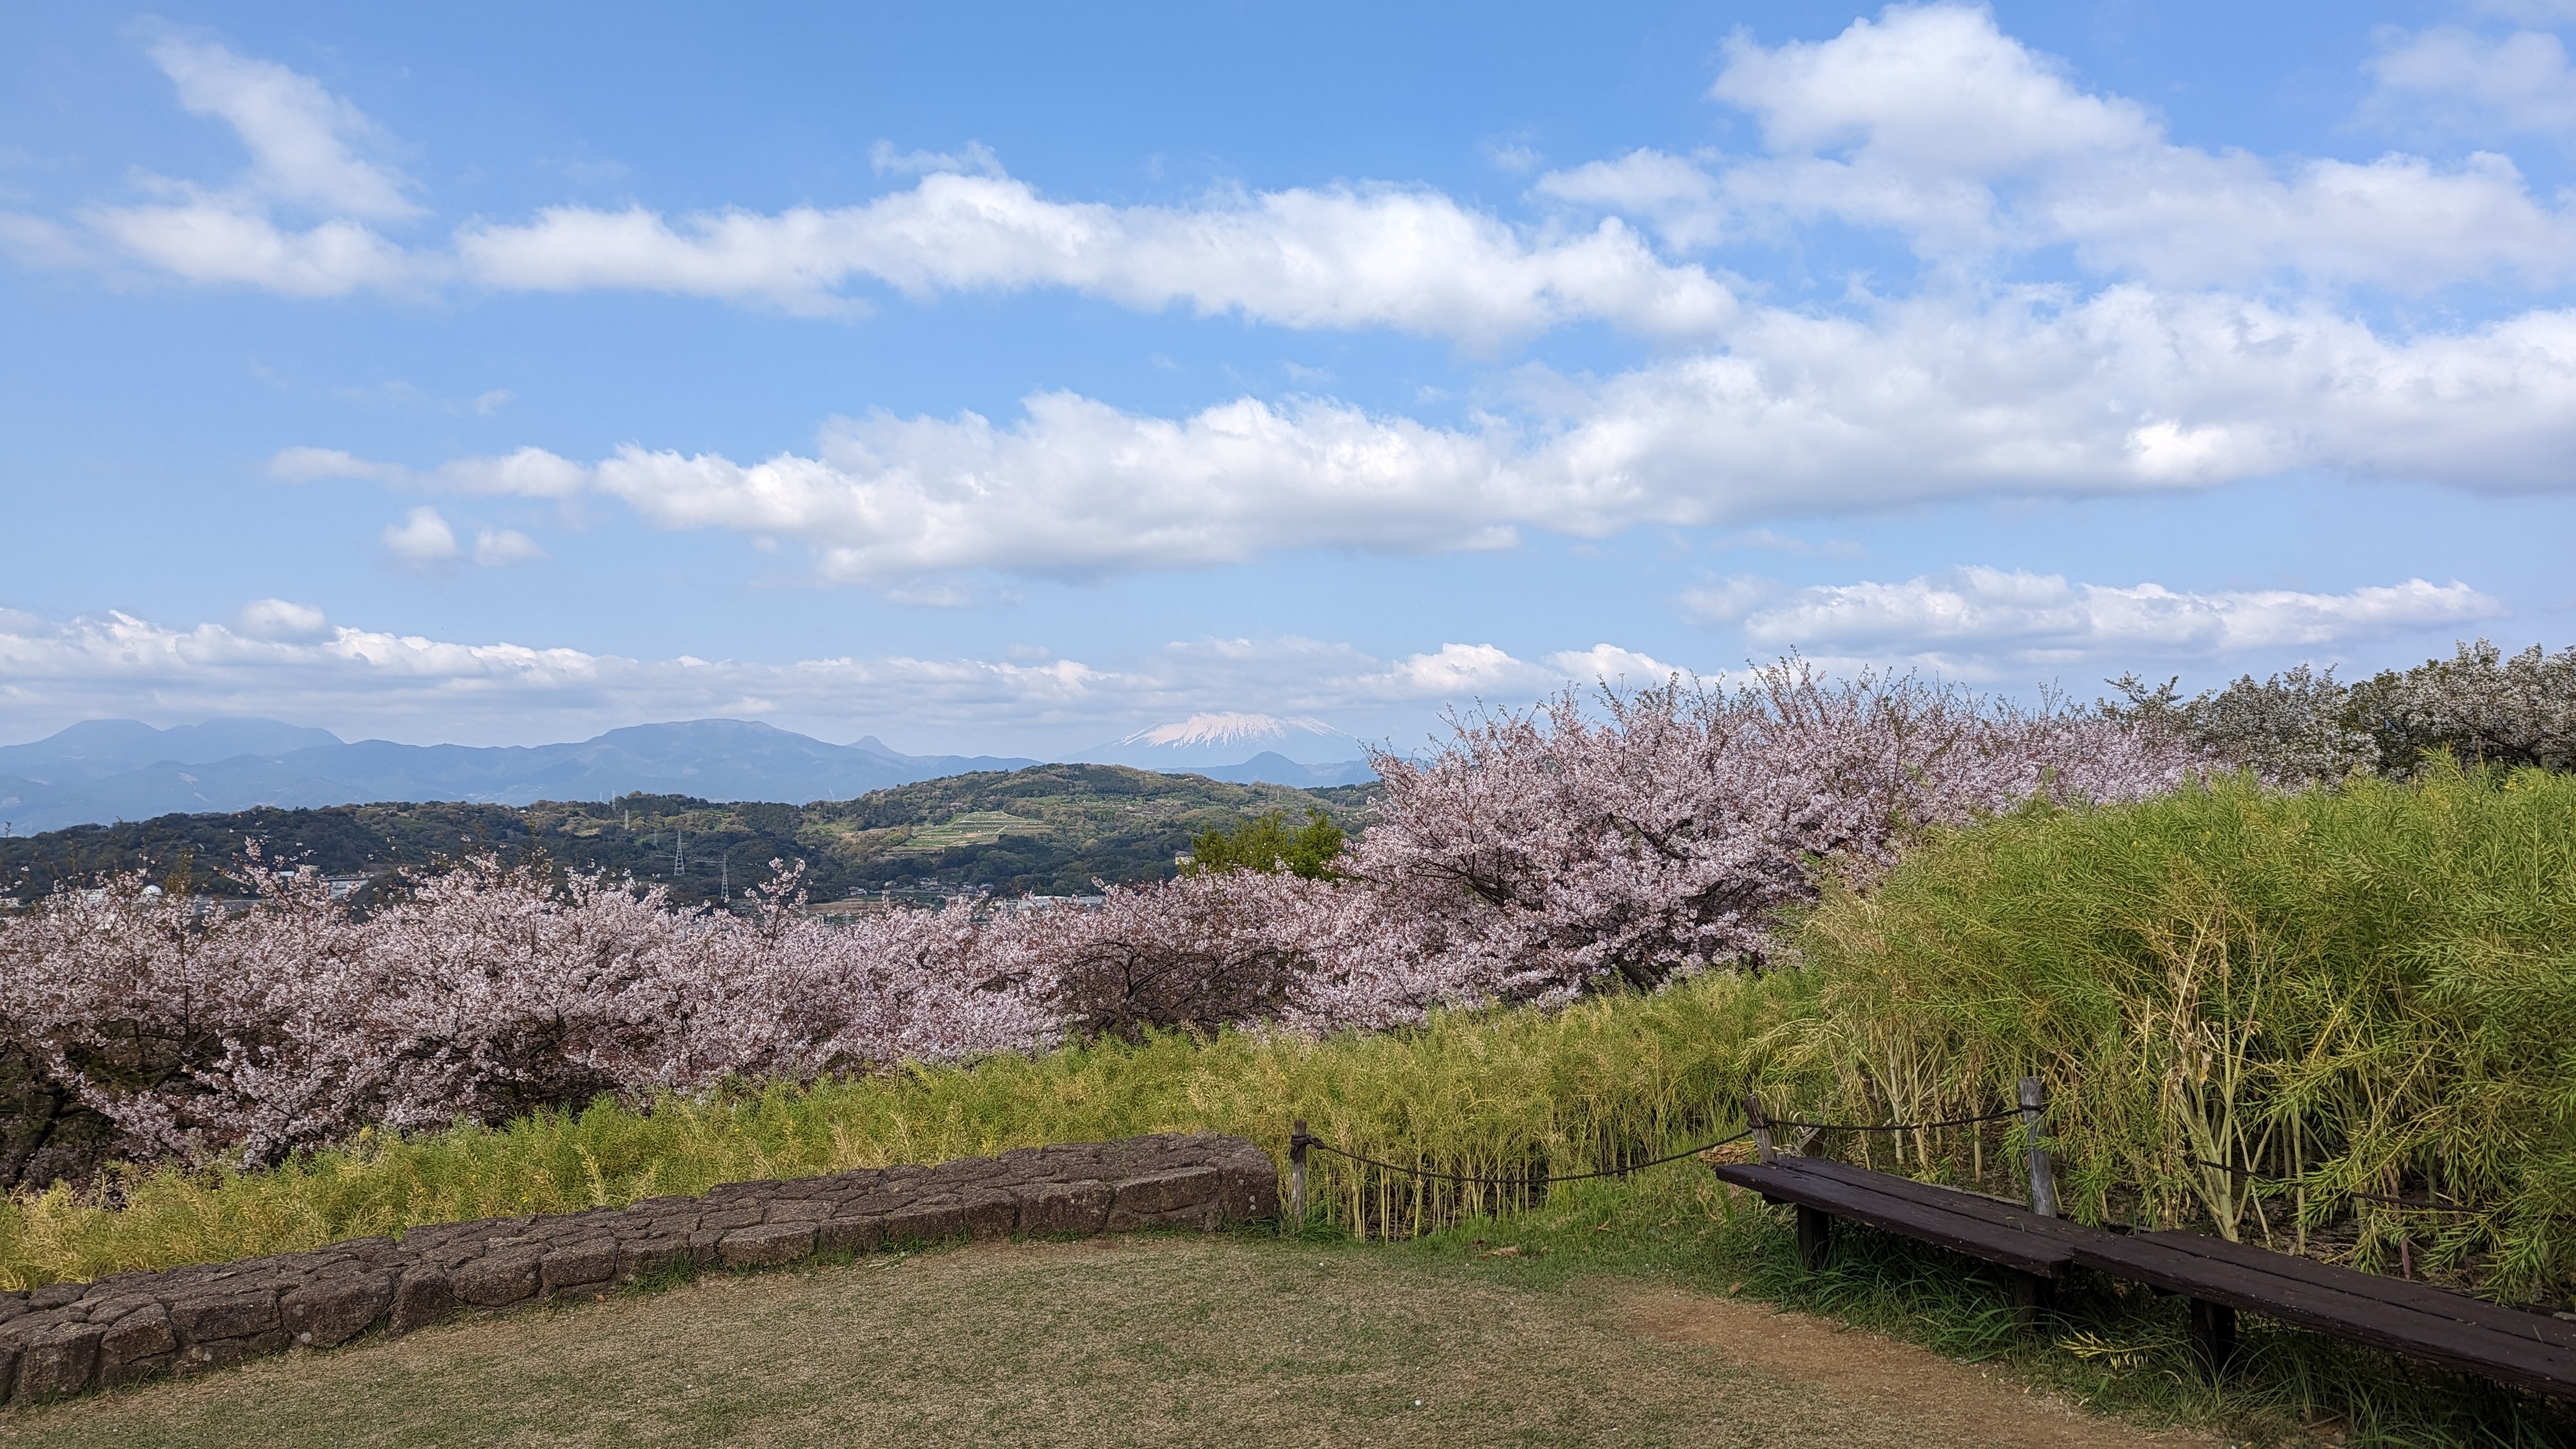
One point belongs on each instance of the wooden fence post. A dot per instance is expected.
(1297, 1176)
(2034, 1123)
(1760, 1122)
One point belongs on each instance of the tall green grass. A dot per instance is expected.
(2355, 994)
(1496, 1093)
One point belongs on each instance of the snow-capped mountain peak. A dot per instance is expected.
(1225, 731)
(1226, 738)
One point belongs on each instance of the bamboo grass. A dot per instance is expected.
(1491, 1093)
(2362, 992)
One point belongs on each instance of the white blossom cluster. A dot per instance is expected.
(1538, 855)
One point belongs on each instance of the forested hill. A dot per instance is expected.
(1051, 829)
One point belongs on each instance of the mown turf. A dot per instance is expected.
(1524, 1330)
(1151, 1341)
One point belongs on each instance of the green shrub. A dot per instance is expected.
(1265, 843)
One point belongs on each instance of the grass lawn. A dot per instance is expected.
(1663, 1309)
(1160, 1340)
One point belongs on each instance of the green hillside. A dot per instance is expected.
(1051, 829)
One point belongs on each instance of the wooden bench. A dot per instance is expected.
(2528, 1350)
(2036, 1249)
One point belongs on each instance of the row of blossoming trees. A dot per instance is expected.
(1535, 856)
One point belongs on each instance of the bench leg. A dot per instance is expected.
(2032, 1296)
(1815, 1235)
(2213, 1336)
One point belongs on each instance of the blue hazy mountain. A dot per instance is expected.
(103, 770)
(1273, 768)
(99, 747)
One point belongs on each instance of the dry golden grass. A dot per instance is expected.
(1153, 1341)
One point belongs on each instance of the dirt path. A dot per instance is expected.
(1947, 1402)
(1159, 1341)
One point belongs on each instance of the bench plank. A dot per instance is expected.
(1998, 1211)
(2346, 1312)
(2422, 1297)
(2044, 1254)
(2413, 1319)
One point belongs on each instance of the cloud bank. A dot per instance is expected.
(285, 659)
(2128, 391)
(1977, 621)
(1928, 123)
(2211, 342)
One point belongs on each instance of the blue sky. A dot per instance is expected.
(1004, 378)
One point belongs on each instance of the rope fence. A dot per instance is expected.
(1300, 1139)
(1300, 1142)
(1895, 1126)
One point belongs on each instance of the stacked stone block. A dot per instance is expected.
(69, 1337)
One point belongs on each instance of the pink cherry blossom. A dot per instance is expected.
(1536, 855)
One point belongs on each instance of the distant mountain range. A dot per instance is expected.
(103, 770)
(1048, 829)
(1272, 768)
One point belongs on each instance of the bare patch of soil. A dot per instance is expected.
(1949, 1402)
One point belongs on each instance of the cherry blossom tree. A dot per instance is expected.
(1539, 854)
(1550, 850)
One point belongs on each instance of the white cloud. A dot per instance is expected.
(1612, 665)
(425, 540)
(422, 538)
(279, 619)
(34, 241)
(307, 465)
(1931, 122)
(302, 139)
(1460, 670)
(501, 547)
(2458, 80)
(284, 661)
(1936, 398)
(304, 145)
(1973, 620)
(1728, 600)
(1407, 259)
(225, 238)
(1927, 120)
(1677, 195)
(1081, 488)
(976, 160)
(526, 473)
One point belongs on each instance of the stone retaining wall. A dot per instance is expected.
(64, 1339)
